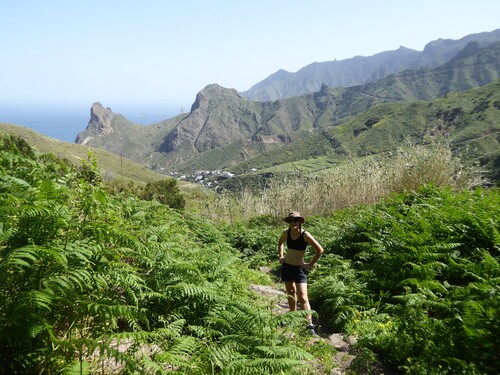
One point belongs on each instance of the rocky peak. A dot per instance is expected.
(212, 91)
(216, 90)
(201, 101)
(325, 90)
(100, 119)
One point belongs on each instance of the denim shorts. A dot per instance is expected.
(297, 274)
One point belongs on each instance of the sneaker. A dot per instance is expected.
(311, 329)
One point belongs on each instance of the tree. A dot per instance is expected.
(166, 192)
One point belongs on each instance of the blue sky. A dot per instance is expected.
(161, 53)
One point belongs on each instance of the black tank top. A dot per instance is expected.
(298, 244)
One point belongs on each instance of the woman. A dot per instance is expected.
(294, 268)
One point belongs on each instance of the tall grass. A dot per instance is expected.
(352, 184)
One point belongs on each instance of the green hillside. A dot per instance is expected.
(111, 166)
(223, 128)
(313, 113)
(468, 121)
(361, 69)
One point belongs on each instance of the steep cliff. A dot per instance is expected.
(100, 124)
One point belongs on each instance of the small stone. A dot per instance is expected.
(337, 341)
(351, 340)
(266, 290)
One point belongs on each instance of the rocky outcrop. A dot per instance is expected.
(218, 116)
(101, 119)
(100, 123)
(266, 138)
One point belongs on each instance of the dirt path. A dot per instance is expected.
(343, 344)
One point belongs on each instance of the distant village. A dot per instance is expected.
(209, 179)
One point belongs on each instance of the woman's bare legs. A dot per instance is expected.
(298, 293)
(303, 298)
(290, 290)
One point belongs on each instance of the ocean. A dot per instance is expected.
(65, 123)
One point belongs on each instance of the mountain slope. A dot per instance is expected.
(110, 164)
(359, 70)
(115, 133)
(468, 121)
(224, 128)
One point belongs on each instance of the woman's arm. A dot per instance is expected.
(281, 247)
(317, 248)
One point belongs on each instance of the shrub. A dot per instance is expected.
(425, 291)
(166, 192)
(92, 281)
(350, 185)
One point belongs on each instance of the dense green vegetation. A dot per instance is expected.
(418, 278)
(90, 273)
(467, 121)
(87, 276)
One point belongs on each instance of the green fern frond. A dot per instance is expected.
(261, 366)
(411, 299)
(287, 351)
(224, 355)
(473, 309)
(411, 282)
(77, 251)
(172, 329)
(82, 278)
(242, 318)
(35, 328)
(195, 293)
(434, 287)
(15, 186)
(18, 258)
(203, 332)
(243, 343)
(39, 223)
(32, 300)
(292, 318)
(184, 346)
(5, 234)
(170, 272)
(107, 310)
(65, 282)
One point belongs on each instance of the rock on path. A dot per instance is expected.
(339, 341)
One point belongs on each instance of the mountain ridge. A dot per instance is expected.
(360, 69)
(222, 119)
(468, 122)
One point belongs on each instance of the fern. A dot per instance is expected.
(18, 258)
(222, 356)
(290, 318)
(83, 270)
(283, 352)
(265, 366)
(14, 186)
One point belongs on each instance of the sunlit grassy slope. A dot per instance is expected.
(110, 165)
